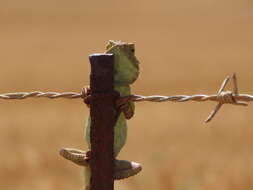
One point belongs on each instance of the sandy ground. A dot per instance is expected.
(185, 47)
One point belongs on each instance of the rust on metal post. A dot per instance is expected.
(103, 118)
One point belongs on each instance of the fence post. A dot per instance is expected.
(103, 117)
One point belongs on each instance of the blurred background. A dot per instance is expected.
(185, 47)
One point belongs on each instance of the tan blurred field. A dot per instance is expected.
(185, 47)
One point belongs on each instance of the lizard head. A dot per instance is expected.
(126, 65)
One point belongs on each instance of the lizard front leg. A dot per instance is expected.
(125, 105)
(86, 95)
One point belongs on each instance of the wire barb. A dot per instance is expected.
(226, 97)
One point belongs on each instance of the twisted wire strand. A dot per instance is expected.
(222, 97)
(135, 98)
(38, 94)
(196, 97)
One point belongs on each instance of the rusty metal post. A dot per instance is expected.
(103, 118)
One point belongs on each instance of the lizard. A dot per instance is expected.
(126, 71)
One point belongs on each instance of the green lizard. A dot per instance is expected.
(126, 71)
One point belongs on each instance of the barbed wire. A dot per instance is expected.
(38, 94)
(222, 97)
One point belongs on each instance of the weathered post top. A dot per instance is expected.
(101, 77)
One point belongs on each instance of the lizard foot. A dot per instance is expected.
(79, 157)
(86, 95)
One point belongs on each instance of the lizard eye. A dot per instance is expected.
(133, 50)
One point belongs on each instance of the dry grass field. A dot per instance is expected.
(185, 47)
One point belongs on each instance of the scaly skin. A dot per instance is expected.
(126, 71)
